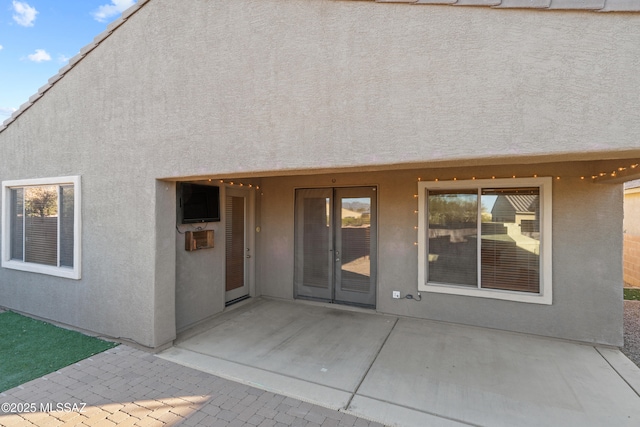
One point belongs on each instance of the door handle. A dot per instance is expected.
(248, 256)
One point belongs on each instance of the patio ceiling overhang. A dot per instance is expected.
(601, 168)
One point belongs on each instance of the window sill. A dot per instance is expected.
(68, 273)
(545, 299)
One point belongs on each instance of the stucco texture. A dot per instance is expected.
(266, 88)
(587, 281)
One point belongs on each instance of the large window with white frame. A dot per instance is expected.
(41, 226)
(486, 238)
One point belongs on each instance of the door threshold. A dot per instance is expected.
(237, 300)
(336, 305)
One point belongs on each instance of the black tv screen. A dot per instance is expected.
(199, 203)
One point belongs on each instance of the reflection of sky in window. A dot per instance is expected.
(365, 200)
(488, 202)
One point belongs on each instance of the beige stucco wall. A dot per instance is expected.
(263, 87)
(319, 84)
(587, 302)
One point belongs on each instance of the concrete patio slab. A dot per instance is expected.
(488, 377)
(325, 346)
(408, 372)
(274, 382)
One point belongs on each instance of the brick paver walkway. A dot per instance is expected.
(128, 387)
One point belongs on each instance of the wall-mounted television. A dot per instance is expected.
(199, 203)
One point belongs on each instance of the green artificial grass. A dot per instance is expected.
(632, 294)
(31, 348)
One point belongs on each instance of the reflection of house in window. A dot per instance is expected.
(482, 239)
(511, 242)
(520, 209)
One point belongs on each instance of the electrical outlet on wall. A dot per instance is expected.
(396, 294)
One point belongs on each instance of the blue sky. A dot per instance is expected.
(38, 37)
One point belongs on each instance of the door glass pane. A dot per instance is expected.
(41, 225)
(511, 239)
(453, 234)
(235, 244)
(316, 240)
(17, 224)
(355, 247)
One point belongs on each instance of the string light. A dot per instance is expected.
(237, 184)
(618, 172)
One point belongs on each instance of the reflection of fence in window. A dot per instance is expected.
(42, 225)
(453, 230)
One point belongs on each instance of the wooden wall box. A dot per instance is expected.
(194, 240)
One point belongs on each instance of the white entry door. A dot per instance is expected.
(238, 244)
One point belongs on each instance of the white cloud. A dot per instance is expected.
(1, 47)
(6, 112)
(116, 7)
(39, 56)
(24, 14)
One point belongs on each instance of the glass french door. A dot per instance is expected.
(335, 245)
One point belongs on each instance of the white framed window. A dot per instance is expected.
(41, 225)
(486, 238)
